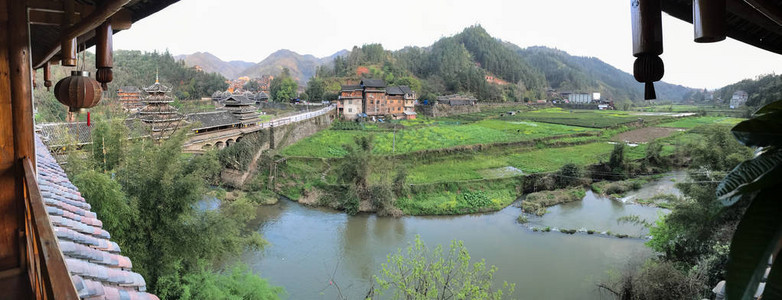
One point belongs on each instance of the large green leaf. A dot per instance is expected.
(761, 131)
(769, 108)
(751, 175)
(753, 242)
(773, 288)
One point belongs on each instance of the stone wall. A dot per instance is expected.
(444, 110)
(279, 137)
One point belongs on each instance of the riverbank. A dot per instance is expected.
(471, 178)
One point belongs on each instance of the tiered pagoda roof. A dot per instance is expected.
(158, 114)
(242, 108)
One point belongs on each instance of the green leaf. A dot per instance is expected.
(751, 175)
(753, 242)
(761, 131)
(773, 288)
(775, 106)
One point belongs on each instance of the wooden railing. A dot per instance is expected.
(43, 259)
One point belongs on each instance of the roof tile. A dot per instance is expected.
(96, 267)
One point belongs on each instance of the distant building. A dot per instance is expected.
(158, 115)
(350, 102)
(579, 98)
(739, 98)
(371, 98)
(130, 97)
(456, 100)
(374, 99)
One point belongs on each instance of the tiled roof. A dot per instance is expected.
(95, 264)
(399, 90)
(373, 83)
(62, 134)
(238, 99)
(212, 119)
(351, 87)
(157, 88)
(129, 89)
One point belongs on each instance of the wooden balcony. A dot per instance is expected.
(42, 273)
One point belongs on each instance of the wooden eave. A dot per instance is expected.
(755, 22)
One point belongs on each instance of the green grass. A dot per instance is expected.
(583, 118)
(470, 167)
(698, 121)
(459, 199)
(329, 143)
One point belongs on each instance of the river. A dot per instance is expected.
(311, 247)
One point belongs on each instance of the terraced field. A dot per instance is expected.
(328, 143)
(583, 118)
(698, 121)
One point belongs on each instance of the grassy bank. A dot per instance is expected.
(537, 203)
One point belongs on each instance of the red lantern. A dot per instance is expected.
(78, 91)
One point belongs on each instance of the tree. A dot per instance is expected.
(316, 88)
(755, 183)
(422, 273)
(617, 161)
(283, 87)
(252, 86)
(569, 174)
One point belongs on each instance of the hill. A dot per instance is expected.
(302, 67)
(762, 90)
(565, 72)
(476, 63)
(211, 63)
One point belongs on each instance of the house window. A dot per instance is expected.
(350, 110)
(350, 101)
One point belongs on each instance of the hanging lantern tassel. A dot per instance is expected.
(648, 68)
(104, 57)
(646, 16)
(47, 75)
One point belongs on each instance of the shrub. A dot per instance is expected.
(522, 219)
(476, 199)
(569, 174)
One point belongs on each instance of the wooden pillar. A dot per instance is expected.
(21, 80)
(9, 206)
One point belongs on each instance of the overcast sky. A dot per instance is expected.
(250, 30)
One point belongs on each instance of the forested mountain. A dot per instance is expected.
(761, 90)
(474, 62)
(211, 63)
(565, 72)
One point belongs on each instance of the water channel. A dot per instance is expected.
(310, 247)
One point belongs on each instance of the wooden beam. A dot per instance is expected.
(87, 24)
(770, 10)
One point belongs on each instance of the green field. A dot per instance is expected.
(698, 121)
(474, 166)
(583, 118)
(328, 143)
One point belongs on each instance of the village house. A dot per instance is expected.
(739, 98)
(374, 96)
(130, 98)
(371, 98)
(350, 102)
